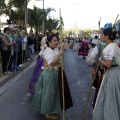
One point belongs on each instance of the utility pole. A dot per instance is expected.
(26, 13)
(43, 20)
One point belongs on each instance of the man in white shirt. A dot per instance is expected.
(95, 41)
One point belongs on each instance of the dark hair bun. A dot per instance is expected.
(110, 33)
(113, 35)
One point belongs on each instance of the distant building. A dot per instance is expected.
(95, 32)
(3, 22)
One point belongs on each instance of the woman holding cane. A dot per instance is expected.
(47, 97)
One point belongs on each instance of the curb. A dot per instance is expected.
(10, 80)
(6, 78)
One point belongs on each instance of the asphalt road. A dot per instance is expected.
(15, 103)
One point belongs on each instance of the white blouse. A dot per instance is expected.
(49, 54)
(94, 52)
(109, 51)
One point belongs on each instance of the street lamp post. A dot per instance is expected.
(26, 13)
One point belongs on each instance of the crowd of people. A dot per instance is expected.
(46, 85)
(17, 46)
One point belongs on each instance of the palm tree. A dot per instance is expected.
(19, 6)
(4, 9)
(51, 24)
(36, 17)
(18, 12)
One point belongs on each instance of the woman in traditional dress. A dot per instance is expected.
(48, 92)
(76, 45)
(83, 50)
(66, 46)
(107, 105)
(71, 43)
(38, 68)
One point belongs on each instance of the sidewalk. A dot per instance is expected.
(7, 77)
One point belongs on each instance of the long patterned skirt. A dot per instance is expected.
(83, 50)
(107, 106)
(36, 73)
(76, 46)
(97, 82)
(48, 93)
(66, 46)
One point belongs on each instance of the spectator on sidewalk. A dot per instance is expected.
(6, 49)
(15, 36)
(31, 41)
(24, 45)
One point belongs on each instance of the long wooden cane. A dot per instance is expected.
(84, 109)
(16, 59)
(1, 65)
(22, 55)
(8, 62)
(63, 116)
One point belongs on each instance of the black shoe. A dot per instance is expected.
(83, 57)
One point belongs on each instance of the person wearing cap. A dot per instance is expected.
(92, 46)
(107, 104)
(14, 36)
(47, 33)
(95, 41)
